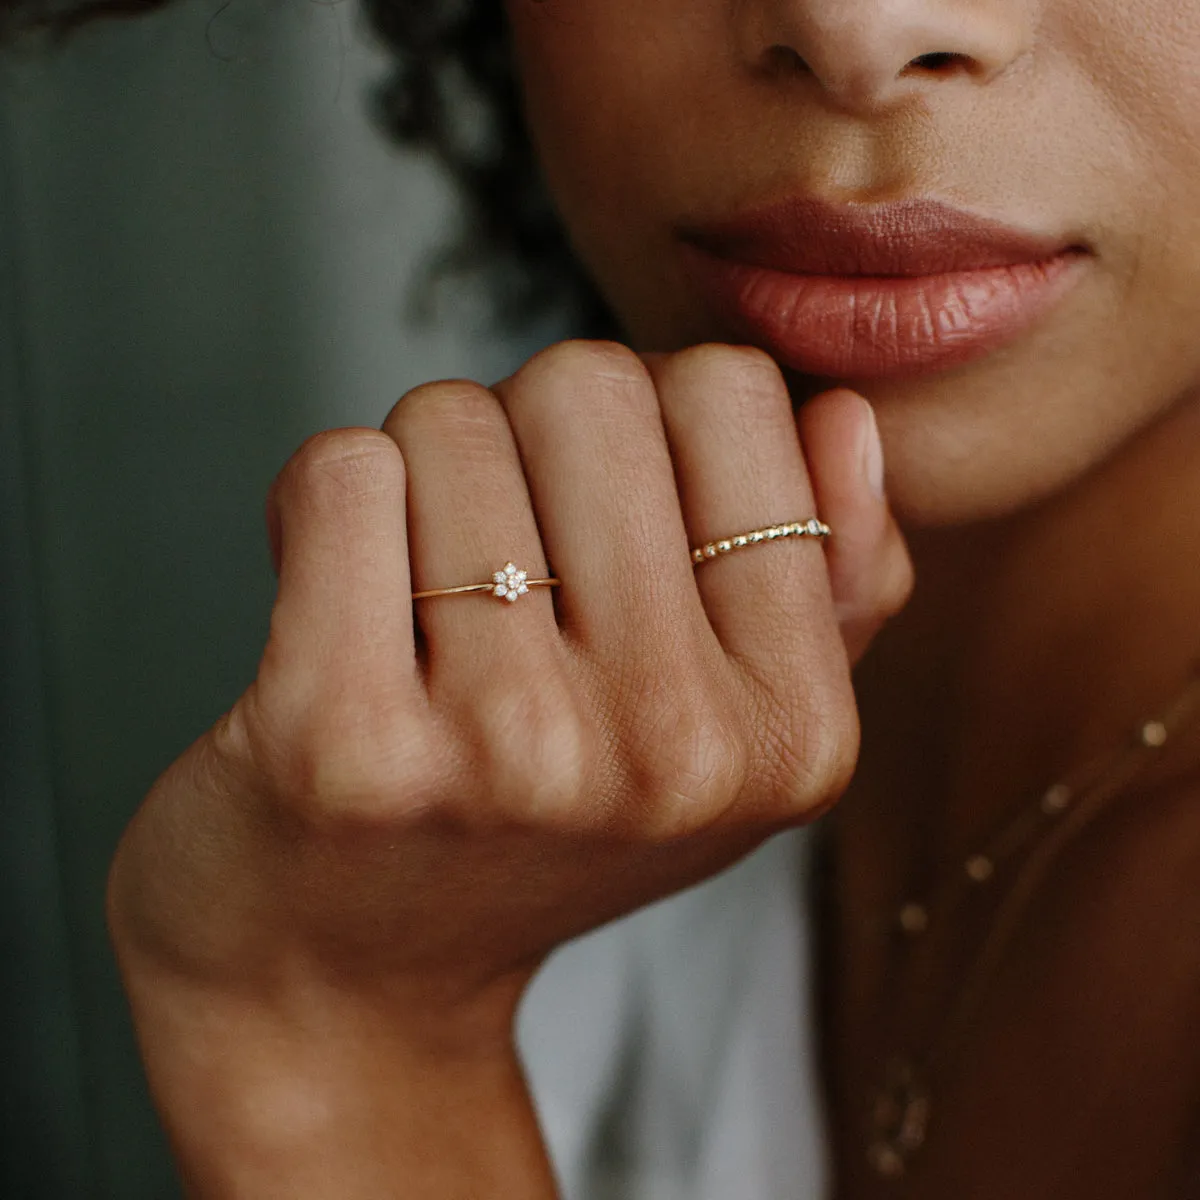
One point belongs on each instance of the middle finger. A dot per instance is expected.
(587, 419)
(740, 468)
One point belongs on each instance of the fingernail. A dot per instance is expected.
(873, 454)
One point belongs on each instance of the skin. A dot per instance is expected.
(327, 908)
(647, 118)
(1040, 629)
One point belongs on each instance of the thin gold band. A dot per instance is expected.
(509, 584)
(481, 587)
(812, 528)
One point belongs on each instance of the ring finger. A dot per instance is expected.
(469, 515)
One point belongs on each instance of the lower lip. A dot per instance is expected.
(859, 327)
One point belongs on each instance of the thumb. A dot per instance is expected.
(870, 570)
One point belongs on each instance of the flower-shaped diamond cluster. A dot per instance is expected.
(510, 583)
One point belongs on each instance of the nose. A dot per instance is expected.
(870, 54)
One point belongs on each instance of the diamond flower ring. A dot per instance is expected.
(509, 584)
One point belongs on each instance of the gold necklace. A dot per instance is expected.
(902, 1107)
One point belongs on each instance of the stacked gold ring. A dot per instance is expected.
(812, 528)
(511, 582)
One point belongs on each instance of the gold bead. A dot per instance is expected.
(885, 1161)
(725, 546)
(980, 868)
(914, 919)
(1057, 800)
(1153, 734)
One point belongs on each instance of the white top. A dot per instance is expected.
(670, 1054)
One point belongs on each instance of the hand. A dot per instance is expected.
(408, 814)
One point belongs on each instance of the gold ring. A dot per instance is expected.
(508, 584)
(811, 528)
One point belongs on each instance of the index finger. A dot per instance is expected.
(342, 622)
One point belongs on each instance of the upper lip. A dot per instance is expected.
(904, 239)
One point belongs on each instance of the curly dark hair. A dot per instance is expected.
(452, 92)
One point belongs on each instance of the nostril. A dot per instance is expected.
(939, 62)
(785, 60)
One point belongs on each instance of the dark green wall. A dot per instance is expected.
(205, 252)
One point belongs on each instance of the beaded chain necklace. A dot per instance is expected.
(902, 1108)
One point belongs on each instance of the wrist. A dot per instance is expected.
(318, 1094)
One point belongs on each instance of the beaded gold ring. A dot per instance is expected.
(812, 528)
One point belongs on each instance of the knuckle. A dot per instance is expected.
(687, 763)
(898, 581)
(537, 751)
(232, 750)
(752, 388)
(811, 751)
(457, 415)
(745, 366)
(342, 465)
(608, 363)
(874, 586)
(447, 403)
(832, 754)
(341, 769)
(746, 373)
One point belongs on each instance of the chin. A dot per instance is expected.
(941, 475)
(989, 442)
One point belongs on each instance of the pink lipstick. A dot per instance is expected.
(879, 291)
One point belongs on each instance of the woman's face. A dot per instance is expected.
(795, 174)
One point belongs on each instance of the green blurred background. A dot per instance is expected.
(205, 254)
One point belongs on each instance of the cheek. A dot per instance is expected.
(1143, 61)
(611, 91)
(580, 75)
(1141, 64)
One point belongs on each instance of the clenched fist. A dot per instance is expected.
(365, 860)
